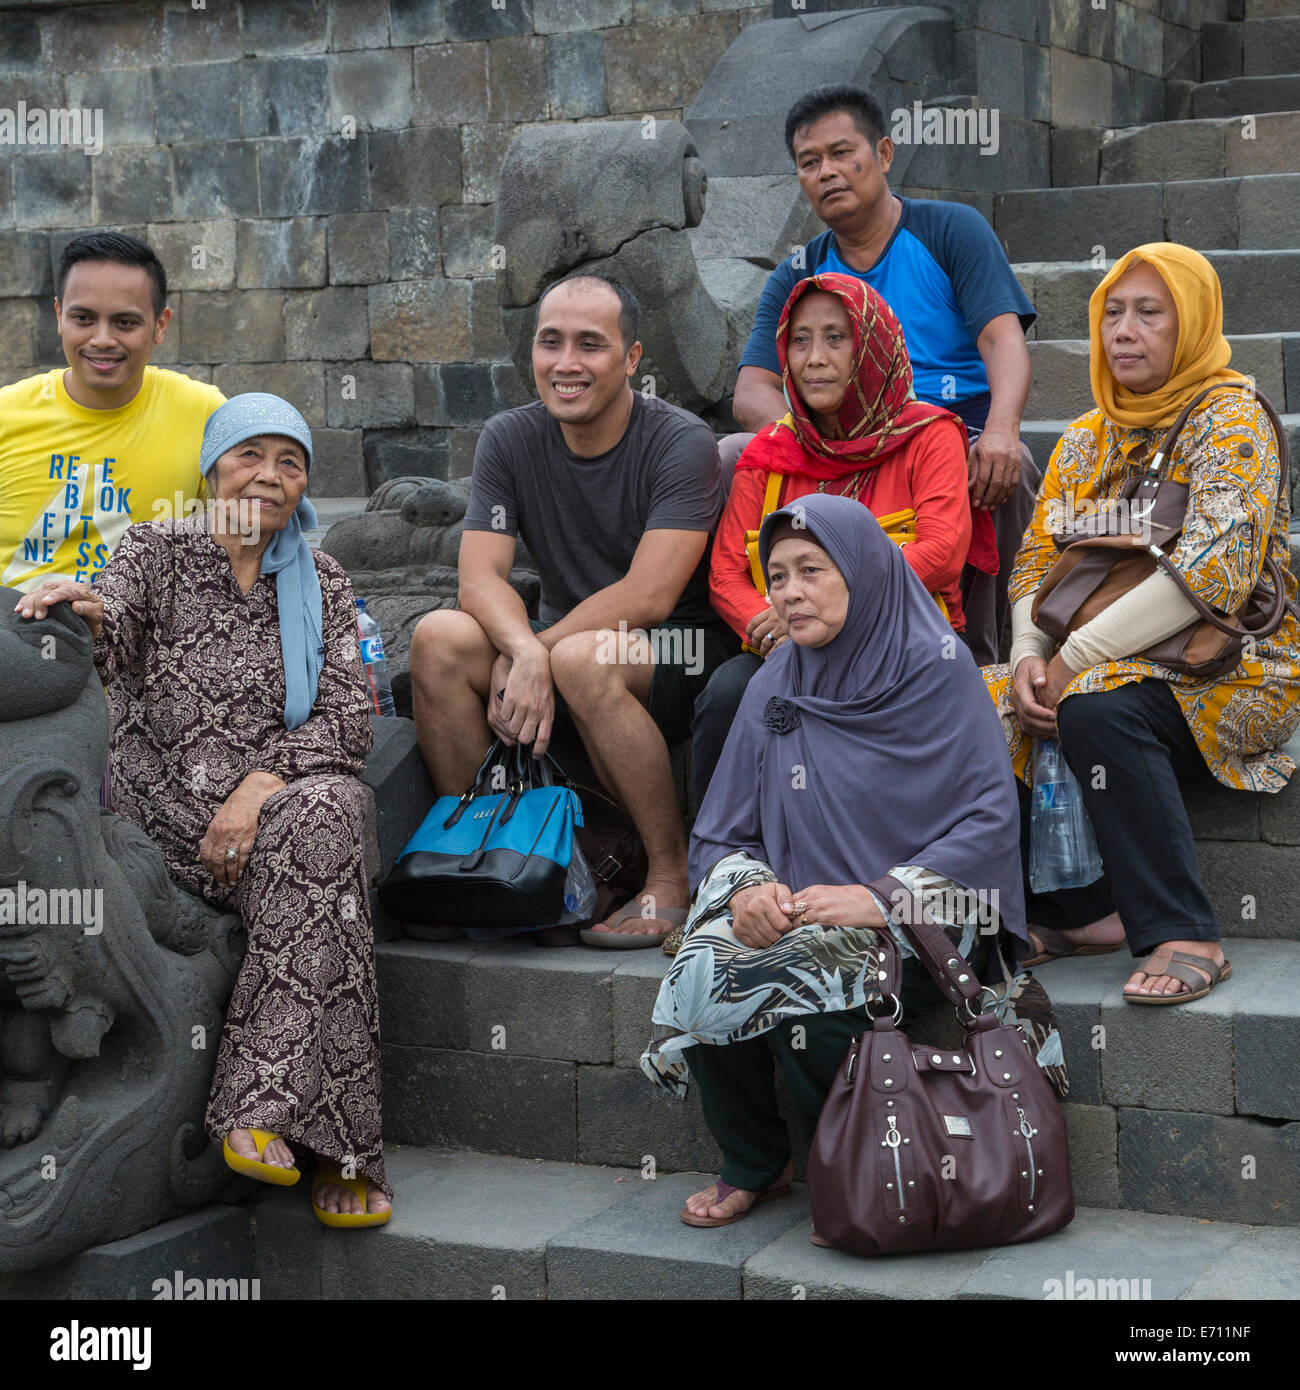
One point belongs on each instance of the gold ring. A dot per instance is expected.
(231, 853)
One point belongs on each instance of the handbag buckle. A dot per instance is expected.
(607, 867)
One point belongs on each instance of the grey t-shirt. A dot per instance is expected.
(582, 518)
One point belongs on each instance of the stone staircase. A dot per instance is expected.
(1228, 167)
(533, 1160)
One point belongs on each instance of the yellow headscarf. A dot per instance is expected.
(1201, 356)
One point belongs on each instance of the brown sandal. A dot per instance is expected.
(1164, 960)
(770, 1193)
(1046, 935)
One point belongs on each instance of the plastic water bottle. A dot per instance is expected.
(1063, 849)
(378, 685)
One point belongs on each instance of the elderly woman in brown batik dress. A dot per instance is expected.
(239, 725)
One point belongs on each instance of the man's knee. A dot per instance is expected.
(588, 665)
(446, 641)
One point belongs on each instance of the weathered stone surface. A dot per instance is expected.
(579, 16)
(357, 26)
(1267, 210)
(286, 26)
(451, 84)
(18, 342)
(403, 793)
(623, 1118)
(133, 184)
(338, 468)
(1094, 1171)
(420, 166)
(649, 67)
(326, 323)
(639, 1249)
(285, 96)
(373, 87)
(755, 219)
(1240, 96)
(415, 21)
(1203, 212)
(461, 451)
(53, 189)
(1260, 1263)
(358, 248)
(1252, 888)
(1180, 149)
(482, 152)
(1060, 389)
(242, 326)
(1064, 224)
(302, 383)
(517, 80)
(107, 36)
(25, 263)
(197, 255)
(509, 387)
(576, 75)
(1261, 145)
(282, 252)
(413, 240)
(124, 95)
(209, 1245)
(312, 175)
(485, 308)
(420, 321)
(394, 454)
(216, 178)
(467, 241)
(469, 19)
(199, 101)
(369, 394)
(422, 992)
(201, 36)
(20, 43)
(1264, 1031)
(481, 1101)
(1075, 158)
(1224, 1168)
(6, 193)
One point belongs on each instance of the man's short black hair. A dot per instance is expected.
(867, 113)
(629, 313)
(122, 249)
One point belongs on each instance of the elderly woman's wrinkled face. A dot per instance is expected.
(819, 353)
(1139, 329)
(807, 590)
(265, 476)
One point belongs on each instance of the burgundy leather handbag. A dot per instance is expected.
(930, 1148)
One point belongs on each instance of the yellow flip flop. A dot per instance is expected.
(254, 1167)
(342, 1218)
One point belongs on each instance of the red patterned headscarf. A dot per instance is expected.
(879, 411)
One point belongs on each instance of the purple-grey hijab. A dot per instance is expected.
(880, 749)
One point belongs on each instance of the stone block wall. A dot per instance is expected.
(319, 175)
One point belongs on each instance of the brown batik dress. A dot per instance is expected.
(195, 682)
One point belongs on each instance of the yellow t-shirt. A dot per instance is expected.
(73, 479)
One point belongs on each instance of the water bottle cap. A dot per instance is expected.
(361, 603)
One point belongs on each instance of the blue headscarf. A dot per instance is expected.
(288, 557)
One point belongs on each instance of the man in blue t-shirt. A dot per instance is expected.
(940, 268)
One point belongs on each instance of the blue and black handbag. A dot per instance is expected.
(486, 859)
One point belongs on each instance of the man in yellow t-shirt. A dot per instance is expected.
(89, 449)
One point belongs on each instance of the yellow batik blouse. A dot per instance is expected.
(1227, 456)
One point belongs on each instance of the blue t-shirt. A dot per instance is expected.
(943, 273)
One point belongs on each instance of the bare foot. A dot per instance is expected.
(1140, 983)
(705, 1202)
(330, 1196)
(657, 893)
(277, 1153)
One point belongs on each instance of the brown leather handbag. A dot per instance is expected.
(935, 1148)
(1104, 556)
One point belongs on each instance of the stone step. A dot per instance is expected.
(1044, 224)
(1060, 387)
(471, 1225)
(1260, 290)
(1251, 48)
(509, 1048)
(1223, 147)
(1269, 9)
(1241, 96)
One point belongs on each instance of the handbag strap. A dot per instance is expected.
(946, 966)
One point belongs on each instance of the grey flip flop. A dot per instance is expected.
(634, 941)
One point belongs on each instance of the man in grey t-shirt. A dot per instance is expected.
(615, 496)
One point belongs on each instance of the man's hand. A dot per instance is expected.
(762, 915)
(1059, 675)
(235, 826)
(765, 632)
(994, 467)
(1037, 716)
(840, 905)
(82, 597)
(521, 703)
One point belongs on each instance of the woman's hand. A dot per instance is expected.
(765, 632)
(761, 915)
(840, 905)
(84, 600)
(235, 826)
(1059, 675)
(1037, 717)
